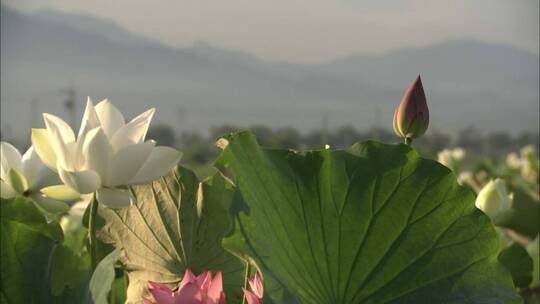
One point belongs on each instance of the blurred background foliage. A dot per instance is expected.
(200, 150)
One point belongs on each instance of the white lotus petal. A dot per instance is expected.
(110, 118)
(49, 204)
(9, 158)
(66, 155)
(16, 180)
(133, 132)
(75, 158)
(61, 192)
(127, 162)
(59, 148)
(52, 121)
(37, 174)
(85, 181)
(78, 157)
(42, 144)
(494, 199)
(6, 191)
(160, 162)
(31, 165)
(98, 153)
(90, 119)
(79, 207)
(114, 198)
(45, 177)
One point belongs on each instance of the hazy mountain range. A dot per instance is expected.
(468, 83)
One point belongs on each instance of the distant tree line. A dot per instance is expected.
(199, 148)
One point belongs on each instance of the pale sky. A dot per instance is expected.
(314, 30)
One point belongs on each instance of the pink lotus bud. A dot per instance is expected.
(411, 117)
(255, 296)
(201, 289)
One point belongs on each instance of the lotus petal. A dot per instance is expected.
(10, 158)
(78, 209)
(161, 293)
(6, 191)
(215, 289)
(90, 119)
(160, 161)
(17, 181)
(98, 154)
(61, 192)
(411, 117)
(203, 281)
(127, 162)
(189, 277)
(251, 297)
(110, 118)
(50, 205)
(42, 144)
(189, 294)
(85, 181)
(32, 167)
(114, 198)
(62, 149)
(256, 284)
(55, 122)
(134, 131)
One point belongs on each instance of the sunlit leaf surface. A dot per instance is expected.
(373, 224)
(175, 223)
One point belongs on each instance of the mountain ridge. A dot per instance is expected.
(44, 51)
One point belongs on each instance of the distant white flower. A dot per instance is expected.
(529, 151)
(526, 163)
(464, 177)
(494, 199)
(107, 155)
(26, 175)
(513, 161)
(529, 169)
(451, 158)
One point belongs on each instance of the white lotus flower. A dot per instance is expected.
(529, 151)
(451, 158)
(513, 161)
(465, 177)
(526, 163)
(26, 175)
(107, 155)
(494, 199)
(529, 170)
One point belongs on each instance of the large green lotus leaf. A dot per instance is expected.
(373, 224)
(176, 223)
(517, 260)
(27, 243)
(524, 215)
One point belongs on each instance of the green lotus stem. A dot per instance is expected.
(408, 141)
(246, 277)
(112, 294)
(92, 241)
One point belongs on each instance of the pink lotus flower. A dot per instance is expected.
(201, 289)
(255, 296)
(411, 117)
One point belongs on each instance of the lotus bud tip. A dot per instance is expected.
(411, 116)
